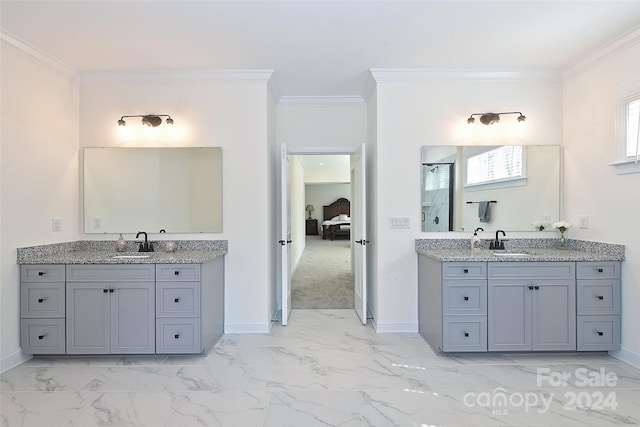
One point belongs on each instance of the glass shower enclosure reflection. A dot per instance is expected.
(437, 196)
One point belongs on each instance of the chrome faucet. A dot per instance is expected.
(498, 244)
(146, 246)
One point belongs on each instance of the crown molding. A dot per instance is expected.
(36, 55)
(612, 48)
(457, 75)
(168, 77)
(321, 101)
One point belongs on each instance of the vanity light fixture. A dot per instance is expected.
(491, 118)
(151, 120)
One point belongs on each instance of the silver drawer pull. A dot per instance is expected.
(600, 297)
(41, 300)
(466, 298)
(176, 336)
(177, 272)
(466, 334)
(176, 300)
(41, 337)
(600, 333)
(41, 273)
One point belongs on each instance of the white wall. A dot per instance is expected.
(333, 124)
(297, 198)
(592, 187)
(39, 174)
(209, 110)
(431, 109)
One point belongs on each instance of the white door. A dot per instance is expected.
(359, 229)
(285, 235)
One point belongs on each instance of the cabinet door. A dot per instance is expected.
(509, 315)
(88, 318)
(554, 315)
(133, 317)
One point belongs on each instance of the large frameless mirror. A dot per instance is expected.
(178, 190)
(493, 187)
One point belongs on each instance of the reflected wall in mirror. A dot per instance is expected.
(127, 190)
(493, 187)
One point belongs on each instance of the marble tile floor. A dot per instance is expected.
(324, 369)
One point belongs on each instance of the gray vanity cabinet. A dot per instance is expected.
(42, 309)
(110, 309)
(189, 306)
(598, 299)
(453, 305)
(531, 306)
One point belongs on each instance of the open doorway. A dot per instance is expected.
(291, 229)
(322, 270)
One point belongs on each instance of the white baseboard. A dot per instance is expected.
(388, 327)
(627, 356)
(247, 328)
(11, 361)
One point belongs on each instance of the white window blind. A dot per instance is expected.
(436, 177)
(633, 130)
(498, 164)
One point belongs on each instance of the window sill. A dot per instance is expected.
(517, 182)
(626, 167)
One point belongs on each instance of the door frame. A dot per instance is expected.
(310, 151)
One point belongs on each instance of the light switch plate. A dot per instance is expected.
(397, 222)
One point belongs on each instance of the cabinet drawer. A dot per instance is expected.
(178, 336)
(597, 270)
(42, 336)
(464, 333)
(598, 296)
(42, 273)
(110, 272)
(182, 272)
(178, 299)
(464, 270)
(531, 270)
(598, 333)
(42, 300)
(464, 297)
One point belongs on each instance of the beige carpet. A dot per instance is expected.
(323, 278)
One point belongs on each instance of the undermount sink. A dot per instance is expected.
(510, 254)
(131, 256)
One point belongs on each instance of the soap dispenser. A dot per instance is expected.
(475, 240)
(121, 244)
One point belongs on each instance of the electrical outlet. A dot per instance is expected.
(583, 221)
(56, 224)
(97, 222)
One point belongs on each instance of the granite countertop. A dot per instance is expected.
(528, 250)
(103, 252)
(466, 255)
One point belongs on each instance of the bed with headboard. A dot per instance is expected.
(336, 220)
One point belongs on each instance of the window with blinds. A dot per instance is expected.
(498, 164)
(627, 142)
(633, 130)
(436, 177)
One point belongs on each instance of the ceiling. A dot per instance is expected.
(316, 48)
